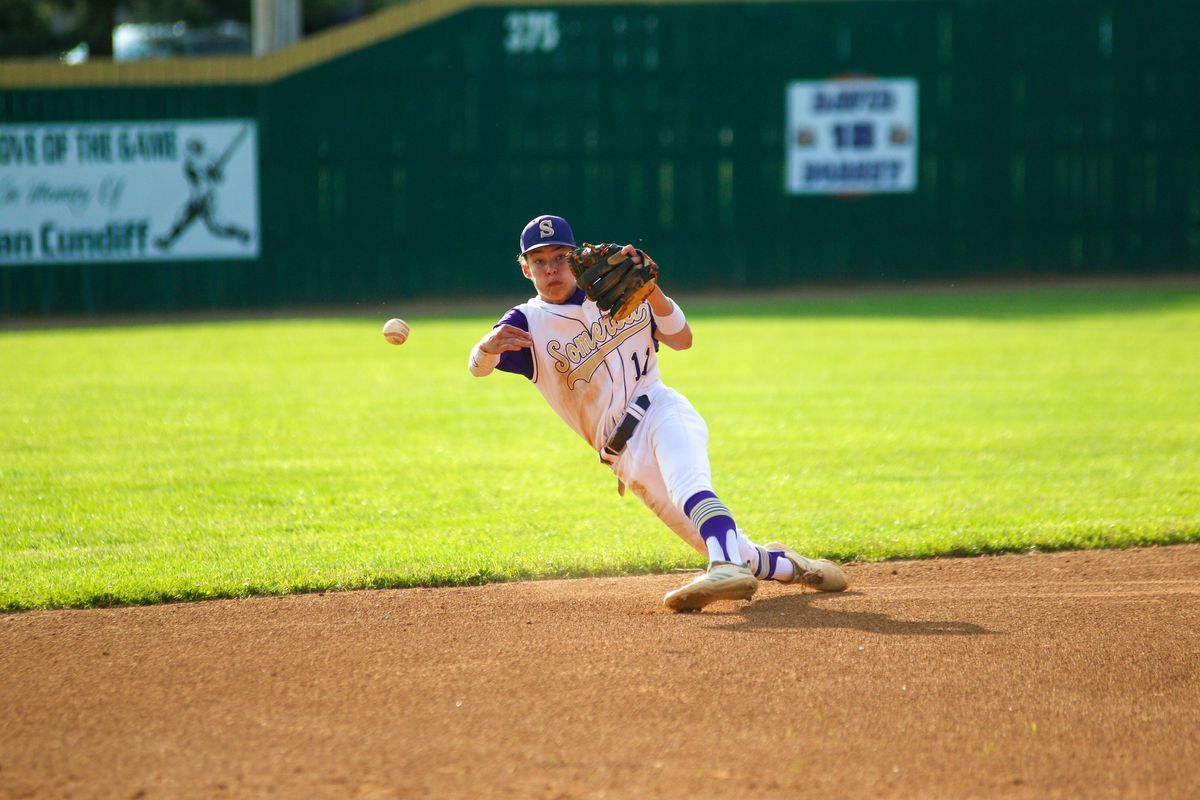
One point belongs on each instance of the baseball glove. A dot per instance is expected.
(612, 279)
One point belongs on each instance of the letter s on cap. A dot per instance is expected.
(546, 226)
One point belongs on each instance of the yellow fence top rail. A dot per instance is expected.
(326, 46)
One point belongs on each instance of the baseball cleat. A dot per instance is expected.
(723, 581)
(822, 575)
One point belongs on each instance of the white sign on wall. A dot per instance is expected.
(852, 136)
(160, 190)
(531, 31)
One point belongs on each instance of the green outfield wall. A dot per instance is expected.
(399, 157)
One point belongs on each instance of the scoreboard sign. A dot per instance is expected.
(854, 136)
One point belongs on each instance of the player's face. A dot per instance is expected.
(548, 269)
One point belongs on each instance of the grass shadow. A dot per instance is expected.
(999, 299)
(971, 301)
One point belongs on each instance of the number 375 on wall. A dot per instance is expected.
(531, 31)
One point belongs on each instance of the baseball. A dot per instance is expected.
(395, 331)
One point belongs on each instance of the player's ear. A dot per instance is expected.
(524, 266)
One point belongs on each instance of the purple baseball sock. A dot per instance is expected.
(716, 526)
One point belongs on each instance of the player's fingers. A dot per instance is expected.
(508, 337)
(514, 342)
(512, 330)
(498, 346)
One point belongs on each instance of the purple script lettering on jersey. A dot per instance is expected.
(582, 355)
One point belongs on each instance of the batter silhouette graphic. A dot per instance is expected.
(203, 178)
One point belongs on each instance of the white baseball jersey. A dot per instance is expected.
(587, 366)
(590, 369)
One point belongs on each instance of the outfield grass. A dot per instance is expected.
(140, 464)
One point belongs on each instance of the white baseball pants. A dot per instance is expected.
(666, 461)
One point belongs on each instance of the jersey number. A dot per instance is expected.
(638, 372)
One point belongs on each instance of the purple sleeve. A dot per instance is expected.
(517, 361)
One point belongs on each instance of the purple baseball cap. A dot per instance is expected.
(546, 230)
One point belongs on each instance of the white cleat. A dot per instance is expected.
(722, 581)
(822, 575)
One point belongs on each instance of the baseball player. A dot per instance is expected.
(600, 374)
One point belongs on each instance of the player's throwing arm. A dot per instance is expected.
(502, 338)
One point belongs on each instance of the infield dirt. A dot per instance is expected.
(1044, 675)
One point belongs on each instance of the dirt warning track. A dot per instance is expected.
(1059, 675)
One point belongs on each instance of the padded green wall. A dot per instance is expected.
(1055, 138)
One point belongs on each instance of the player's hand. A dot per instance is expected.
(637, 255)
(504, 338)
